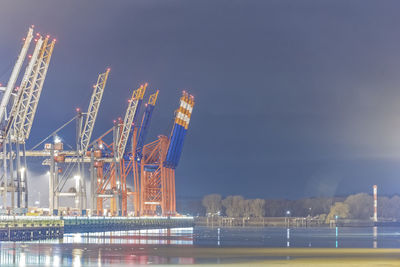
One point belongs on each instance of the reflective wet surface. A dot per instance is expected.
(148, 246)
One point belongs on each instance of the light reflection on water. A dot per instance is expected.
(137, 247)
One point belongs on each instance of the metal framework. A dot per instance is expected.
(152, 166)
(14, 75)
(28, 82)
(111, 178)
(18, 124)
(93, 109)
(74, 165)
(160, 158)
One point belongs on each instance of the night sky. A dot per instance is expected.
(293, 98)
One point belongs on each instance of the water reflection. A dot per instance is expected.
(288, 237)
(336, 235)
(143, 246)
(96, 249)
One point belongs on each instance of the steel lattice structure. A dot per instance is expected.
(126, 159)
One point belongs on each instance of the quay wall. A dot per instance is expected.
(105, 224)
(25, 228)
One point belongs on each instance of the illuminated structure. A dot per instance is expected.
(17, 112)
(375, 188)
(67, 164)
(160, 158)
(109, 179)
(113, 163)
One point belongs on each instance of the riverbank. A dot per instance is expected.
(289, 222)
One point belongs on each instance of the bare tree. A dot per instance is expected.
(245, 208)
(233, 206)
(257, 207)
(212, 203)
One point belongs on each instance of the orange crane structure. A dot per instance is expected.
(109, 180)
(150, 168)
(160, 158)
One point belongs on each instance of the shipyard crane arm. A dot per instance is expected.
(145, 124)
(93, 109)
(182, 119)
(14, 75)
(27, 83)
(133, 104)
(29, 113)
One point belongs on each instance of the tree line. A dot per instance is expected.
(234, 206)
(357, 206)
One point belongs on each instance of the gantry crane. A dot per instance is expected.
(159, 160)
(138, 139)
(76, 165)
(17, 125)
(111, 178)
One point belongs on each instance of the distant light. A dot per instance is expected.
(77, 177)
(47, 36)
(78, 110)
(54, 40)
(108, 69)
(57, 139)
(101, 146)
(22, 169)
(47, 173)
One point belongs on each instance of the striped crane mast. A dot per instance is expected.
(160, 158)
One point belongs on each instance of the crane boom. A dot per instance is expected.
(27, 82)
(14, 75)
(93, 109)
(134, 102)
(43, 66)
(182, 119)
(145, 124)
